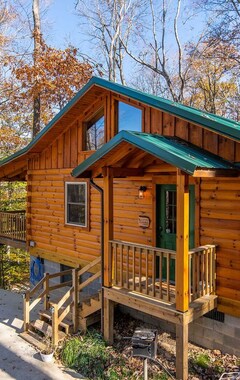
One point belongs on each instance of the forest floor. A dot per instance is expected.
(204, 364)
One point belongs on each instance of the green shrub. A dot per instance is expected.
(202, 360)
(87, 354)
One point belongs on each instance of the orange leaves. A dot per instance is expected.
(57, 75)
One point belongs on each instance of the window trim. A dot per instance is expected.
(85, 183)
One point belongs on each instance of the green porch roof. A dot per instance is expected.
(171, 150)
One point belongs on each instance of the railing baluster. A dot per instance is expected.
(154, 267)
(146, 270)
(134, 285)
(160, 274)
(140, 270)
(121, 264)
(114, 247)
(127, 267)
(207, 287)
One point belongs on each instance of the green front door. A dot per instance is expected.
(167, 221)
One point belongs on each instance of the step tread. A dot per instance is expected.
(47, 314)
(45, 328)
(87, 310)
(34, 339)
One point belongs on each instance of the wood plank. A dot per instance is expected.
(74, 146)
(144, 303)
(67, 149)
(229, 306)
(168, 124)
(108, 225)
(182, 129)
(156, 121)
(108, 322)
(182, 242)
(182, 352)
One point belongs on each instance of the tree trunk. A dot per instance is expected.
(36, 53)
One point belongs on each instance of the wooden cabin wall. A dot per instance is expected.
(128, 207)
(220, 224)
(54, 240)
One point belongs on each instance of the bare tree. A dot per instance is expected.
(36, 53)
(160, 54)
(108, 24)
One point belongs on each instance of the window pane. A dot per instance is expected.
(76, 203)
(76, 193)
(76, 214)
(171, 211)
(129, 118)
(95, 135)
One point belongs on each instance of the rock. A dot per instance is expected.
(217, 352)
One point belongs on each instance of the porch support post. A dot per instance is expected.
(108, 320)
(182, 294)
(182, 352)
(182, 283)
(108, 225)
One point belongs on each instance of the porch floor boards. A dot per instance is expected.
(160, 308)
(159, 291)
(13, 242)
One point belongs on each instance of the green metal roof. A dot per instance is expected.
(225, 127)
(174, 151)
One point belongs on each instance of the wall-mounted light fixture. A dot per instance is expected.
(141, 192)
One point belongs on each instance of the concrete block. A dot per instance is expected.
(232, 321)
(224, 328)
(231, 342)
(237, 332)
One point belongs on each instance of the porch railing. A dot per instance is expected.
(151, 271)
(13, 225)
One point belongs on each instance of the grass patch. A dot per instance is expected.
(87, 354)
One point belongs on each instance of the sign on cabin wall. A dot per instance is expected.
(143, 221)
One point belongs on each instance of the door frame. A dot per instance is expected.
(171, 180)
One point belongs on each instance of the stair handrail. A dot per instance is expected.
(44, 295)
(58, 315)
(86, 268)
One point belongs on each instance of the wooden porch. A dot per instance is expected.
(13, 228)
(146, 270)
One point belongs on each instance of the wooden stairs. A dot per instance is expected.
(63, 309)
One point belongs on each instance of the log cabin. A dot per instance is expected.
(136, 196)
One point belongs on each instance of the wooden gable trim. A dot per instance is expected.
(210, 173)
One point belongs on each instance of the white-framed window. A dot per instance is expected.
(76, 194)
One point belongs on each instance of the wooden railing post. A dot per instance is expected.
(26, 311)
(75, 297)
(46, 290)
(55, 325)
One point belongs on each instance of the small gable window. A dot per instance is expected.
(76, 203)
(95, 132)
(129, 118)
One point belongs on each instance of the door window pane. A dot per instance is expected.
(171, 212)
